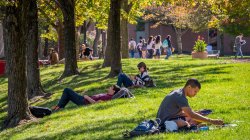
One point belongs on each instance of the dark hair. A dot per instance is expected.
(169, 37)
(142, 64)
(158, 39)
(193, 83)
(150, 39)
(116, 88)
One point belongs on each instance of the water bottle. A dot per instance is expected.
(204, 128)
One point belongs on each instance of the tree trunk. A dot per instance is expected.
(115, 43)
(15, 31)
(85, 27)
(124, 31)
(78, 33)
(107, 50)
(33, 74)
(222, 44)
(60, 42)
(68, 10)
(96, 41)
(84, 32)
(179, 42)
(46, 44)
(104, 44)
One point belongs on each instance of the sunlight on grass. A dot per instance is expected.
(225, 90)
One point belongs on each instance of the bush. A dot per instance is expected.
(200, 46)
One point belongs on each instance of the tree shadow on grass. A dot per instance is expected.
(99, 129)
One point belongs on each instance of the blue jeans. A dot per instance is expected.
(132, 53)
(70, 95)
(238, 52)
(150, 53)
(169, 52)
(124, 79)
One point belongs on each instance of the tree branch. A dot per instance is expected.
(47, 18)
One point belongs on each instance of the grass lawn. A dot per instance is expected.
(225, 90)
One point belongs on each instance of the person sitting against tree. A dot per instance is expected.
(53, 57)
(175, 107)
(70, 95)
(86, 52)
(135, 81)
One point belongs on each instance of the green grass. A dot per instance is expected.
(225, 90)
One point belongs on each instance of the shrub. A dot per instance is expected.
(200, 46)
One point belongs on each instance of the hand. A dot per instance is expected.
(132, 77)
(217, 122)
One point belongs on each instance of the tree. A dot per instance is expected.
(34, 87)
(51, 16)
(114, 40)
(96, 40)
(15, 31)
(181, 15)
(232, 16)
(68, 10)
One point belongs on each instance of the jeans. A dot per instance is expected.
(169, 52)
(124, 79)
(238, 52)
(132, 53)
(70, 95)
(150, 53)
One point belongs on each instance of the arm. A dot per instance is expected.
(188, 111)
(89, 99)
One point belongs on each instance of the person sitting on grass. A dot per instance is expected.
(175, 107)
(136, 81)
(70, 95)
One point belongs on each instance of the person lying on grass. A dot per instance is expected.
(175, 107)
(135, 81)
(70, 95)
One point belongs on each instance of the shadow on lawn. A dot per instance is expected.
(100, 127)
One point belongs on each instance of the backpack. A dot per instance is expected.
(123, 93)
(150, 83)
(165, 44)
(39, 112)
(147, 127)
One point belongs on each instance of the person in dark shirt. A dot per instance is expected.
(175, 107)
(86, 52)
(70, 95)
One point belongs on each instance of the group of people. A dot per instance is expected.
(174, 107)
(151, 48)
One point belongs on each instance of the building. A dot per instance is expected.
(188, 39)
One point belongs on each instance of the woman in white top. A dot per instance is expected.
(158, 45)
(149, 47)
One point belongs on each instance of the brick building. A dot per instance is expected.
(189, 38)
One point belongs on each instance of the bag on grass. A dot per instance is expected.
(150, 83)
(147, 127)
(39, 112)
(123, 93)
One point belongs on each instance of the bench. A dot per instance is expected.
(213, 53)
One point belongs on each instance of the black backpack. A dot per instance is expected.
(39, 112)
(147, 127)
(150, 83)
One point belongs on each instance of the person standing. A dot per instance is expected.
(238, 44)
(139, 48)
(169, 48)
(132, 46)
(158, 45)
(150, 47)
